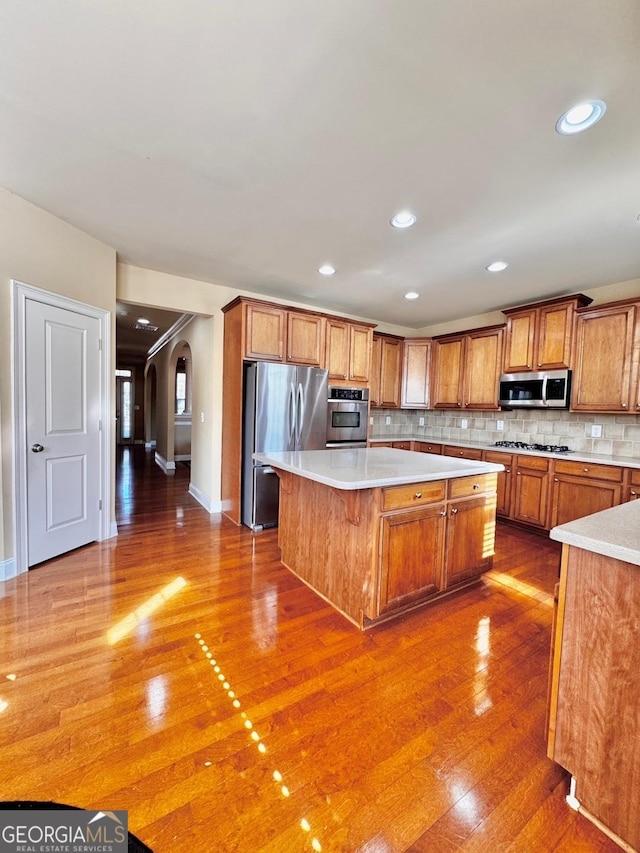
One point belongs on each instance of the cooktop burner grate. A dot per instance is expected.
(543, 448)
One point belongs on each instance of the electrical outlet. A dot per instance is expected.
(387, 420)
(500, 425)
(420, 421)
(370, 421)
(464, 423)
(201, 417)
(596, 430)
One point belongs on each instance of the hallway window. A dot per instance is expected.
(182, 395)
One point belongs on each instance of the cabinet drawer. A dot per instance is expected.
(535, 463)
(635, 476)
(462, 452)
(586, 469)
(413, 494)
(401, 445)
(463, 487)
(428, 447)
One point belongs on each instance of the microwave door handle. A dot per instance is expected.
(545, 402)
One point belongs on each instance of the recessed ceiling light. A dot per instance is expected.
(497, 266)
(404, 219)
(326, 269)
(143, 321)
(580, 117)
(411, 295)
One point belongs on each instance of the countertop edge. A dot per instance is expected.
(609, 533)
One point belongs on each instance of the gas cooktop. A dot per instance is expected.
(543, 448)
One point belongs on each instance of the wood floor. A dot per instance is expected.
(180, 672)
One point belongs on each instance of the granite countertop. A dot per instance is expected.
(577, 456)
(613, 532)
(367, 468)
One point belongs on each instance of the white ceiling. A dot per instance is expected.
(245, 143)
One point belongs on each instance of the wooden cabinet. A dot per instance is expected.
(462, 452)
(631, 484)
(386, 367)
(427, 447)
(594, 704)
(305, 339)
(530, 496)
(435, 536)
(581, 488)
(402, 445)
(416, 365)
(540, 336)
(466, 369)
(265, 328)
(503, 489)
(606, 371)
(348, 351)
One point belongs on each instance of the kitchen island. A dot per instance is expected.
(380, 531)
(594, 709)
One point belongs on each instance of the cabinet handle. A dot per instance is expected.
(529, 366)
(444, 512)
(555, 480)
(586, 470)
(476, 485)
(539, 364)
(507, 470)
(459, 404)
(454, 511)
(418, 495)
(635, 494)
(624, 405)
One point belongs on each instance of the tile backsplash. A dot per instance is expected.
(620, 433)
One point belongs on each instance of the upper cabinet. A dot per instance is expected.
(270, 332)
(416, 363)
(348, 351)
(540, 336)
(466, 368)
(606, 373)
(386, 368)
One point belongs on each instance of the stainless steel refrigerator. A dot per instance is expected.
(285, 408)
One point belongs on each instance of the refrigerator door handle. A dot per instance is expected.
(292, 412)
(299, 412)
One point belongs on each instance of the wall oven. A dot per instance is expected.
(347, 417)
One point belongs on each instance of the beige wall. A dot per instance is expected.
(41, 250)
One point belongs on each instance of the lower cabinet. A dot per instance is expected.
(530, 495)
(462, 452)
(580, 489)
(411, 561)
(632, 484)
(503, 497)
(448, 541)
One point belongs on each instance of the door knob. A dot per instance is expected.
(37, 448)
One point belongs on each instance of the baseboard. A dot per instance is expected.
(150, 444)
(167, 467)
(8, 569)
(182, 457)
(205, 500)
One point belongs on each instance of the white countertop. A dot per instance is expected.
(613, 532)
(367, 468)
(576, 455)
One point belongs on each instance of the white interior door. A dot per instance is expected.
(63, 441)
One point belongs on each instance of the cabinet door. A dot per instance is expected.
(483, 361)
(447, 377)
(576, 497)
(632, 484)
(390, 367)
(416, 358)
(305, 339)
(470, 538)
(555, 337)
(360, 353)
(530, 499)
(503, 500)
(412, 548)
(375, 394)
(337, 351)
(265, 330)
(604, 349)
(520, 340)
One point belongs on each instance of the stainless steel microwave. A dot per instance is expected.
(541, 389)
